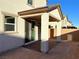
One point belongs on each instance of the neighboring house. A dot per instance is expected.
(69, 31)
(66, 23)
(23, 21)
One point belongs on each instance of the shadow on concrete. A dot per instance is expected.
(8, 42)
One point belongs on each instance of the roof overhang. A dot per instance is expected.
(41, 10)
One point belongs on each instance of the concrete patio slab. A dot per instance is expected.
(63, 50)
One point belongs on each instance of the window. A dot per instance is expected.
(9, 23)
(30, 2)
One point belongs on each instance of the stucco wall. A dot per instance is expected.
(66, 22)
(66, 34)
(70, 34)
(14, 6)
(9, 40)
(55, 13)
(39, 3)
(69, 24)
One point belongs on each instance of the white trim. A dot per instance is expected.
(14, 24)
(9, 23)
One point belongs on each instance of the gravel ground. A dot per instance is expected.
(64, 50)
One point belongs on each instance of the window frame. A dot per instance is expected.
(14, 24)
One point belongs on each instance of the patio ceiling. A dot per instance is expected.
(38, 19)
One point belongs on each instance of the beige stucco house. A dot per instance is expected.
(66, 22)
(24, 21)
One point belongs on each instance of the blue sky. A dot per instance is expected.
(69, 8)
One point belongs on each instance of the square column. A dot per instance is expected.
(30, 30)
(36, 32)
(59, 31)
(44, 32)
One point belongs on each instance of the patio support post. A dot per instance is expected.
(36, 32)
(44, 32)
(59, 31)
(30, 30)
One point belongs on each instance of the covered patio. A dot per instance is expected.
(40, 18)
